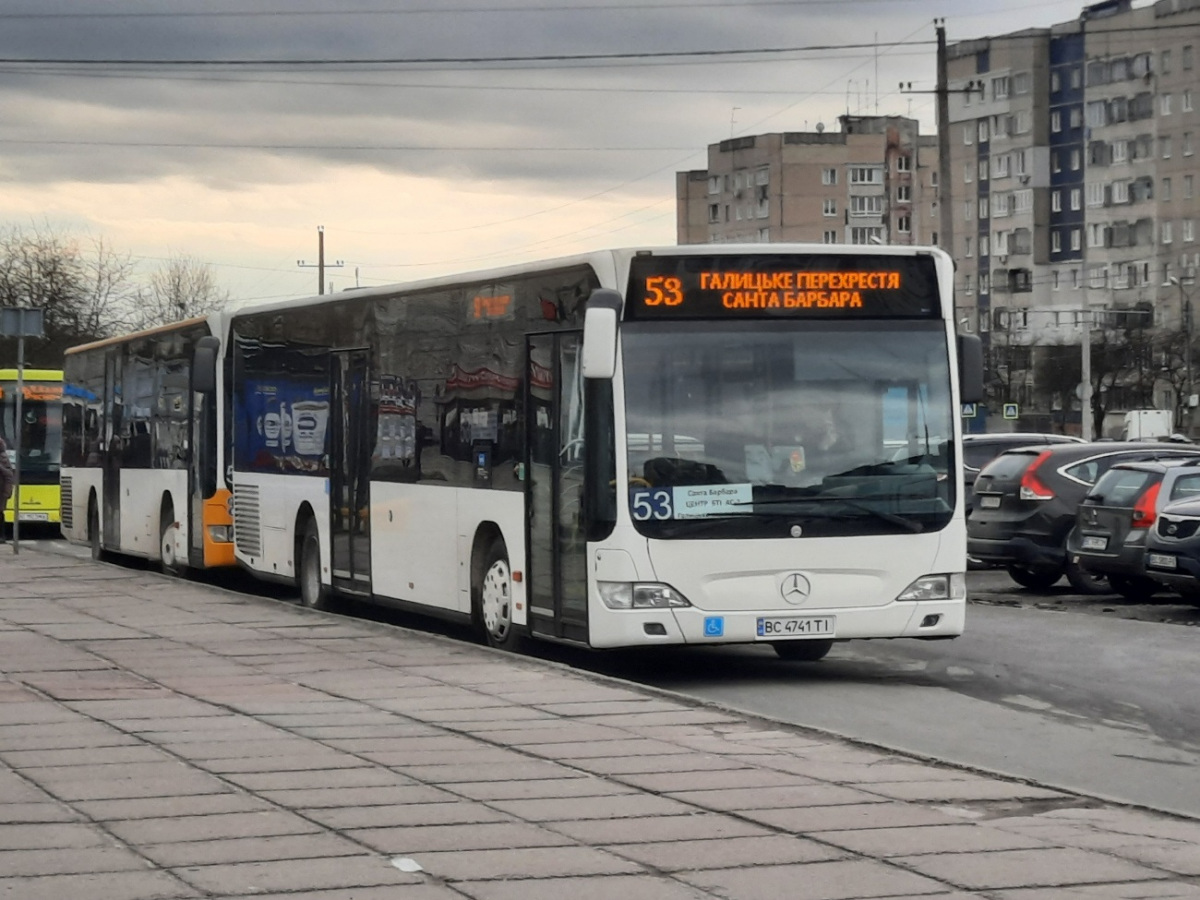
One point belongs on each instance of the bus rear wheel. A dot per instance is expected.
(168, 530)
(313, 593)
(93, 521)
(493, 599)
(802, 651)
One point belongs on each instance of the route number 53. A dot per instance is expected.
(663, 290)
(648, 504)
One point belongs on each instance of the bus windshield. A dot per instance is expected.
(40, 430)
(769, 428)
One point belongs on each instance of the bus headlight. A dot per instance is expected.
(937, 587)
(220, 534)
(640, 595)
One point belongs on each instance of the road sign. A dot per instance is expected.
(970, 410)
(1010, 411)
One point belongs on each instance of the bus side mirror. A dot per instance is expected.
(600, 334)
(204, 365)
(970, 368)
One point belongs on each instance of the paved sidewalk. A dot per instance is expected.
(162, 739)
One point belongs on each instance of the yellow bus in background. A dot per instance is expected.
(40, 431)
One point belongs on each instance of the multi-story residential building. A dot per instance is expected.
(1072, 150)
(874, 181)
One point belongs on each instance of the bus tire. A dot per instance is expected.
(802, 651)
(94, 539)
(169, 562)
(492, 598)
(313, 593)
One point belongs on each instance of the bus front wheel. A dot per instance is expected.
(493, 599)
(313, 593)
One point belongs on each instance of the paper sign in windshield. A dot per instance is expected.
(698, 500)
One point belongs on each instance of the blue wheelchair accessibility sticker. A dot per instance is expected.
(714, 626)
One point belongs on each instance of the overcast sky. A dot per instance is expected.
(194, 127)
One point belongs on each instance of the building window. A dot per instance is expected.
(762, 175)
(968, 134)
(967, 244)
(1165, 236)
(829, 208)
(1186, 101)
(866, 206)
(830, 237)
(1076, 198)
(1055, 82)
(904, 224)
(1000, 88)
(714, 213)
(764, 235)
(1187, 143)
(714, 184)
(1096, 235)
(1054, 166)
(1187, 56)
(967, 288)
(1120, 192)
(1097, 114)
(1189, 231)
(1075, 160)
(1120, 151)
(829, 176)
(969, 210)
(1187, 187)
(984, 248)
(866, 235)
(1095, 193)
(1164, 104)
(1076, 239)
(1054, 280)
(866, 175)
(983, 207)
(1076, 117)
(985, 282)
(982, 127)
(1165, 146)
(1056, 201)
(1000, 166)
(1023, 201)
(1076, 77)
(1056, 121)
(1021, 122)
(968, 172)
(999, 206)
(903, 163)
(983, 170)
(904, 194)
(1164, 62)
(1055, 241)
(1166, 189)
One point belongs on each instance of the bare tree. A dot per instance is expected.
(182, 288)
(82, 292)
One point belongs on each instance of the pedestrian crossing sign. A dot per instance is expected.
(970, 410)
(1010, 411)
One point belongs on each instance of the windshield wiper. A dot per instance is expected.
(907, 524)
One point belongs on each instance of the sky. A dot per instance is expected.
(424, 137)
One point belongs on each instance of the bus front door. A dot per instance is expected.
(554, 455)
(351, 436)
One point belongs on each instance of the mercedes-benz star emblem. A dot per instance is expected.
(795, 588)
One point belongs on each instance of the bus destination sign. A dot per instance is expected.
(813, 286)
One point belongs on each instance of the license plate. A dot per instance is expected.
(989, 502)
(1161, 561)
(1094, 542)
(35, 517)
(771, 629)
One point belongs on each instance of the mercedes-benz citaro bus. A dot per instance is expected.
(37, 425)
(684, 445)
(143, 471)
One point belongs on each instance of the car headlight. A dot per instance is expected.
(937, 587)
(640, 595)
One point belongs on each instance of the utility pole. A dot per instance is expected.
(320, 264)
(945, 210)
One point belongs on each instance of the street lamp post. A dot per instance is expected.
(1185, 311)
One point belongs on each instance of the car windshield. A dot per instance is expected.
(751, 429)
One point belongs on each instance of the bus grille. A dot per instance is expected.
(247, 525)
(66, 505)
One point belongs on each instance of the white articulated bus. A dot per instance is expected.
(683, 445)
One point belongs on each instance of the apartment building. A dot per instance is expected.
(1073, 154)
(872, 181)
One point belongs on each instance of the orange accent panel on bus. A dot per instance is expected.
(216, 512)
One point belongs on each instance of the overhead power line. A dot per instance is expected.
(445, 60)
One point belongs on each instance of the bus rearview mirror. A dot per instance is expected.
(204, 365)
(970, 368)
(600, 334)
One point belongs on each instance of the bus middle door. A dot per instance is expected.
(554, 472)
(351, 437)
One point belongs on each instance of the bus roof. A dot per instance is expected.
(613, 261)
(122, 338)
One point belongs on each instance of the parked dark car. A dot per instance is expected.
(1173, 549)
(981, 449)
(1025, 505)
(1114, 519)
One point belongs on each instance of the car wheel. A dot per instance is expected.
(1034, 578)
(802, 651)
(1085, 582)
(1134, 589)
